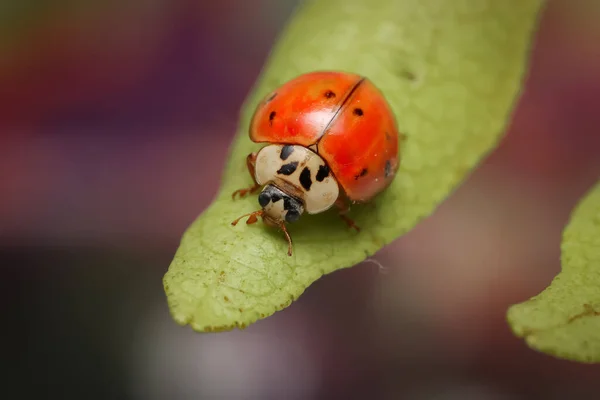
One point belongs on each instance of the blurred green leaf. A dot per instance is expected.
(451, 71)
(564, 320)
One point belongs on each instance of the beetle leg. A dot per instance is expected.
(252, 217)
(251, 164)
(344, 207)
(288, 237)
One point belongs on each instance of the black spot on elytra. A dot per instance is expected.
(286, 151)
(329, 94)
(358, 112)
(322, 173)
(288, 169)
(388, 136)
(305, 180)
(272, 117)
(388, 168)
(362, 173)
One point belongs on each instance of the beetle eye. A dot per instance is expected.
(264, 199)
(292, 216)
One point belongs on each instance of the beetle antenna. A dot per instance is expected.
(289, 238)
(252, 217)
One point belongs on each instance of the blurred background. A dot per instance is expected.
(115, 121)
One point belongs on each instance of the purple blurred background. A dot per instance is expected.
(115, 122)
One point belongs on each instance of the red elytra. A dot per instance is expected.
(345, 118)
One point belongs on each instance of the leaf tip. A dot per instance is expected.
(513, 323)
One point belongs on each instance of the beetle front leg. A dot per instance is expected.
(251, 164)
(344, 207)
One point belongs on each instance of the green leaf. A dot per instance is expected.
(451, 71)
(564, 320)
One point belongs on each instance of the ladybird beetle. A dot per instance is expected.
(332, 139)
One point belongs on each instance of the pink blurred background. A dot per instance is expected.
(115, 122)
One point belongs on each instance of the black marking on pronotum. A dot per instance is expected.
(329, 94)
(305, 180)
(388, 168)
(288, 169)
(362, 173)
(322, 173)
(358, 112)
(286, 151)
(272, 117)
